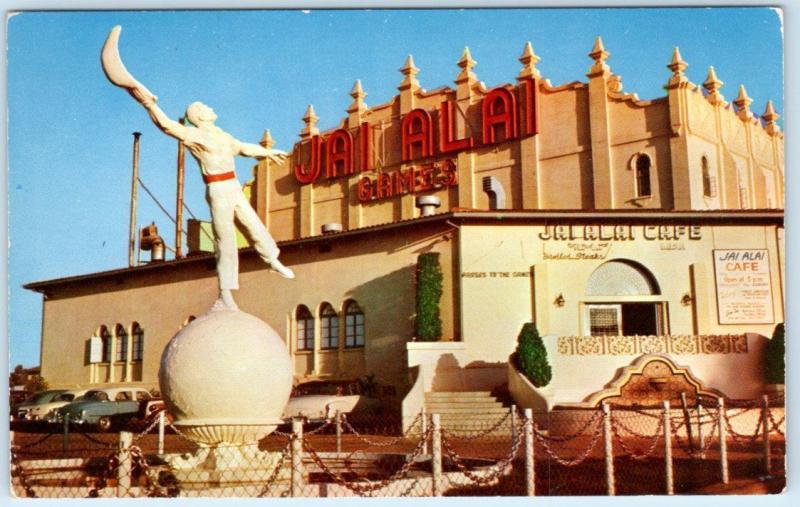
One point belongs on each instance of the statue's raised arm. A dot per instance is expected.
(117, 73)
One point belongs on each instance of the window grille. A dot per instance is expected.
(329, 328)
(643, 176)
(354, 325)
(122, 343)
(305, 329)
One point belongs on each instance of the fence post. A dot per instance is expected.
(124, 463)
(436, 455)
(423, 429)
(701, 438)
(723, 440)
(765, 432)
(668, 450)
(297, 457)
(513, 417)
(530, 461)
(161, 421)
(609, 450)
(338, 431)
(65, 438)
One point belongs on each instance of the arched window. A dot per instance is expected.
(643, 176)
(622, 278)
(328, 327)
(709, 182)
(305, 328)
(122, 342)
(353, 325)
(105, 340)
(138, 342)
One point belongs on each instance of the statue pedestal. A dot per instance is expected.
(226, 378)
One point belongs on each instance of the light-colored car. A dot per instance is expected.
(319, 407)
(20, 412)
(40, 412)
(102, 407)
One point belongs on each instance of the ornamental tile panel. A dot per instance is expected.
(564, 345)
(653, 344)
(620, 345)
(684, 344)
(717, 344)
(739, 344)
(589, 346)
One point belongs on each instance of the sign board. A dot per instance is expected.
(95, 350)
(744, 286)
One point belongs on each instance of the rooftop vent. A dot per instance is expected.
(149, 240)
(331, 228)
(428, 204)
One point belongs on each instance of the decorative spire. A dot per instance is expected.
(358, 94)
(529, 59)
(466, 63)
(410, 71)
(677, 66)
(713, 85)
(266, 140)
(771, 117)
(310, 120)
(743, 102)
(599, 55)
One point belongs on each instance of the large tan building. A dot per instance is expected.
(621, 227)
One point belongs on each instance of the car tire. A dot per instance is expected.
(104, 424)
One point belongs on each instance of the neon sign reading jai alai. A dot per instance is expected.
(620, 232)
(506, 113)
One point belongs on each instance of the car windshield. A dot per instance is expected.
(96, 396)
(64, 397)
(43, 397)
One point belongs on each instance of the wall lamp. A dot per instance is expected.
(687, 299)
(560, 301)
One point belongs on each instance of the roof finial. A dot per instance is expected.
(713, 85)
(410, 71)
(599, 55)
(310, 120)
(743, 102)
(677, 66)
(358, 95)
(266, 140)
(529, 59)
(771, 117)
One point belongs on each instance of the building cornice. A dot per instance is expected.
(461, 217)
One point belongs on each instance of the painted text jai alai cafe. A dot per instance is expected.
(644, 238)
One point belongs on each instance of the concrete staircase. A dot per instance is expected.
(468, 411)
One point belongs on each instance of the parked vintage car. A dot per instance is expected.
(20, 412)
(103, 407)
(41, 411)
(320, 400)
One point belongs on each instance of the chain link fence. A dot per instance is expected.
(612, 450)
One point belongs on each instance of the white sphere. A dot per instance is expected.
(226, 377)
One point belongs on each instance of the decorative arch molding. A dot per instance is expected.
(622, 277)
(650, 380)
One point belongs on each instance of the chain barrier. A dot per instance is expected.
(481, 433)
(35, 443)
(776, 425)
(598, 432)
(90, 438)
(499, 468)
(372, 443)
(567, 438)
(686, 444)
(371, 487)
(147, 430)
(19, 472)
(616, 425)
(742, 437)
(275, 473)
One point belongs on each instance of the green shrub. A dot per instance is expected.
(531, 356)
(428, 324)
(774, 357)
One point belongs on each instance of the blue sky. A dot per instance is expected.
(70, 129)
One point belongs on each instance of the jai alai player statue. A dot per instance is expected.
(214, 150)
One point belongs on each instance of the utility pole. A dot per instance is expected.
(134, 189)
(179, 199)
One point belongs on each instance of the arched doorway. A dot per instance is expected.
(623, 299)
